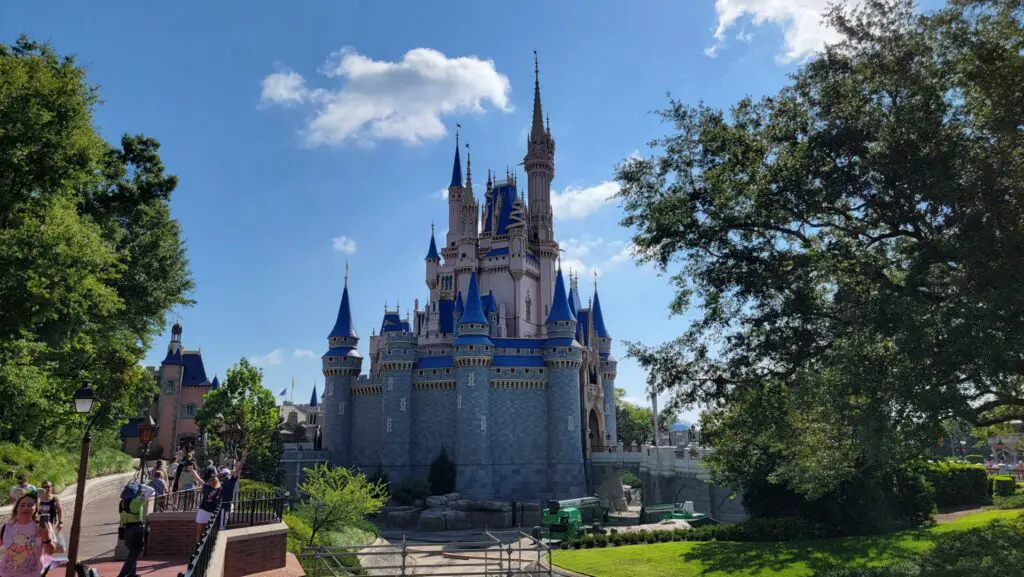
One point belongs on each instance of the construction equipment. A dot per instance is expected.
(561, 522)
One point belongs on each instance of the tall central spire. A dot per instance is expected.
(537, 130)
(457, 165)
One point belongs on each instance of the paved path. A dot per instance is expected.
(99, 537)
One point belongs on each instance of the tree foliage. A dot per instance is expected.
(854, 244)
(243, 402)
(335, 497)
(635, 424)
(90, 258)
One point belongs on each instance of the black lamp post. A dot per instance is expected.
(147, 430)
(85, 399)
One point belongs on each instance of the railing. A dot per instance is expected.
(499, 553)
(187, 500)
(306, 455)
(199, 562)
(255, 508)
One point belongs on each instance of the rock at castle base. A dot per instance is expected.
(406, 517)
(491, 505)
(436, 501)
(443, 519)
(461, 505)
(452, 497)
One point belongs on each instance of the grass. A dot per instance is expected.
(57, 466)
(795, 559)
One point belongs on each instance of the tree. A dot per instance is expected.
(442, 474)
(90, 258)
(335, 497)
(635, 424)
(242, 401)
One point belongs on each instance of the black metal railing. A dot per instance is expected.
(187, 500)
(199, 562)
(255, 508)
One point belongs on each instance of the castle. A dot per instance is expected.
(503, 367)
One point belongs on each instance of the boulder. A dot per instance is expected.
(461, 505)
(406, 518)
(491, 505)
(453, 497)
(435, 501)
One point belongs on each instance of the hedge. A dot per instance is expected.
(1003, 485)
(958, 484)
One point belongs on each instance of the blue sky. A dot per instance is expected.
(307, 134)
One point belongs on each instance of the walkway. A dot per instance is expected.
(99, 537)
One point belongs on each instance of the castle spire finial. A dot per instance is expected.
(469, 170)
(346, 274)
(537, 130)
(595, 279)
(457, 164)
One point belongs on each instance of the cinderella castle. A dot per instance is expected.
(503, 367)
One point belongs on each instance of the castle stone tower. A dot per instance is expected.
(473, 354)
(562, 357)
(397, 356)
(608, 367)
(341, 367)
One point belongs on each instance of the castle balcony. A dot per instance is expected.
(675, 461)
(311, 457)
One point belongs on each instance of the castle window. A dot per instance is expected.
(188, 411)
(433, 372)
(169, 388)
(546, 312)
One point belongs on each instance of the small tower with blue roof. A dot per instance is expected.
(396, 357)
(562, 357)
(607, 364)
(473, 355)
(341, 367)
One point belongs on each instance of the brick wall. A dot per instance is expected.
(255, 549)
(172, 533)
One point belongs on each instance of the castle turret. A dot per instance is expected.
(458, 309)
(608, 366)
(433, 260)
(341, 367)
(563, 356)
(473, 354)
(539, 163)
(397, 357)
(455, 199)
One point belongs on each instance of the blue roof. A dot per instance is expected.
(195, 372)
(406, 326)
(457, 167)
(215, 383)
(502, 197)
(533, 258)
(507, 343)
(172, 358)
(473, 340)
(560, 302)
(312, 398)
(432, 251)
(583, 329)
(459, 305)
(598, 317)
(490, 305)
(447, 320)
(391, 323)
(518, 361)
(341, 352)
(560, 342)
(474, 312)
(435, 363)
(497, 251)
(131, 428)
(343, 326)
(573, 297)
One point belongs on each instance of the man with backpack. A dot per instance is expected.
(132, 508)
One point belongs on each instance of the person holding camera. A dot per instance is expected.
(27, 540)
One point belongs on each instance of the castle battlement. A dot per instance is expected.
(502, 367)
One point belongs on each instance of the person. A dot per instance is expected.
(21, 488)
(229, 483)
(210, 502)
(158, 469)
(26, 540)
(158, 483)
(133, 520)
(187, 473)
(49, 504)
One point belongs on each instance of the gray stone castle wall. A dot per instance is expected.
(472, 431)
(567, 476)
(365, 445)
(433, 425)
(519, 442)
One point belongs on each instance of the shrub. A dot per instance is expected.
(442, 474)
(409, 490)
(958, 484)
(59, 466)
(975, 459)
(903, 570)
(1003, 485)
(992, 550)
(630, 478)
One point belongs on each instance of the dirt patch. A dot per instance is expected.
(666, 525)
(949, 516)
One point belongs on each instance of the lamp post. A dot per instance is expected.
(231, 435)
(85, 399)
(147, 429)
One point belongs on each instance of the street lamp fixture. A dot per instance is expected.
(147, 429)
(84, 401)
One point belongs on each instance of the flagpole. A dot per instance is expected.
(291, 397)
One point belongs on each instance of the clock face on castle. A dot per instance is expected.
(499, 369)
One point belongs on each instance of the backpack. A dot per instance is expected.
(131, 499)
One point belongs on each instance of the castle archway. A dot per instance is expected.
(595, 431)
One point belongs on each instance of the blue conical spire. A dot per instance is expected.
(343, 326)
(560, 302)
(474, 309)
(599, 328)
(432, 251)
(572, 299)
(312, 398)
(215, 383)
(460, 307)
(457, 166)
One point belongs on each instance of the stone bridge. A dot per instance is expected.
(668, 475)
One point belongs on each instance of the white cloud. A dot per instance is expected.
(381, 100)
(303, 354)
(344, 245)
(443, 194)
(584, 256)
(804, 33)
(577, 203)
(283, 88)
(274, 357)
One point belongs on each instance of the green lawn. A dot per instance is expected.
(796, 559)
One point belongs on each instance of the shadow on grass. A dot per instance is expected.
(751, 558)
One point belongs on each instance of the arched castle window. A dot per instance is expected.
(529, 308)
(169, 387)
(188, 411)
